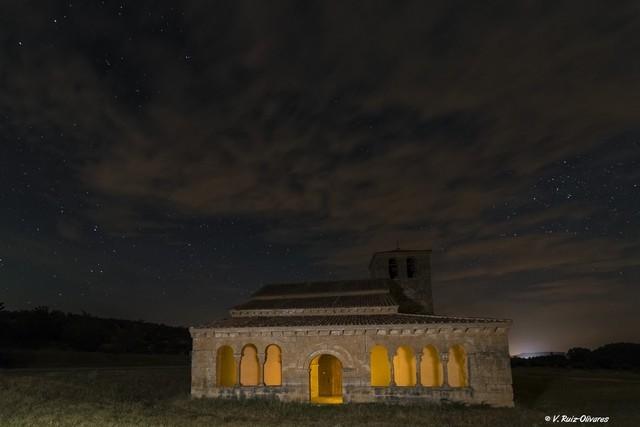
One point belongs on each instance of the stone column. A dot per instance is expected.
(418, 360)
(445, 369)
(238, 358)
(261, 361)
(211, 380)
(392, 379)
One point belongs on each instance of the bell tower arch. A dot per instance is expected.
(411, 271)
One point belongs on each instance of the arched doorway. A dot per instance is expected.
(325, 379)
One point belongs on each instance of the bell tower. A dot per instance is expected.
(411, 271)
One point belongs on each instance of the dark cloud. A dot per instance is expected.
(503, 135)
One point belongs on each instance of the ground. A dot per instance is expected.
(158, 396)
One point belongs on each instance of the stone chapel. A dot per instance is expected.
(369, 340)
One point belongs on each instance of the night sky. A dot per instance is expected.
(161, 160)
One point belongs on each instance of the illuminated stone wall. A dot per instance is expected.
(480, 365)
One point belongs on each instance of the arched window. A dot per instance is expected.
(404, 367)
(380, 372)
(273, 366)
(411, 267)
(393, 268)
(457, 367)
(430, 367)
(249, 366)
(225, 367)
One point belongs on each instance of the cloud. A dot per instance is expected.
(421, 121)
(432, 118)
(70, 229)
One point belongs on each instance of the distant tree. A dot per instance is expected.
(41, 309)
(42, 327)
(554, 360)
(83, 335)
(518, 361)
(617, 356)
(579, 357)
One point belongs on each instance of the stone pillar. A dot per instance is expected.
(392, 378)
(445, 369)
(261, 361)
(212, 369)
(418, 360)
(238, 358)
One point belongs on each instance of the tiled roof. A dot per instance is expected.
(307, 289)
(366, 300)
(343, 320)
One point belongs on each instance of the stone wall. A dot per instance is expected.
(486, 347)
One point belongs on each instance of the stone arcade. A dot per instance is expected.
(370, 340)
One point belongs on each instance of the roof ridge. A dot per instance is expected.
(316, 282)
(322, 287)
(374, 299)
(312, 295)
(453, 317)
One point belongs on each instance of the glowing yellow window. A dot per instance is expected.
(404, 367)
(430, 367)
(225, 367)
(379, 363)
(249, 366)
(457, 367)
(273, 366)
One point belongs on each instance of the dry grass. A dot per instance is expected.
(159, 397)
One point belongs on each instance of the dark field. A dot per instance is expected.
(159, 397)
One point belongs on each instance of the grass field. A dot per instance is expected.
(159, 397)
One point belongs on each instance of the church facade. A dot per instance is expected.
(370, 340)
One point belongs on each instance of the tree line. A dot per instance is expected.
(609, 356)
(43, 328)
